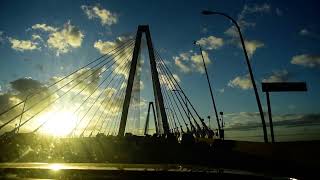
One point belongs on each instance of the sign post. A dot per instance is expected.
(280, 87)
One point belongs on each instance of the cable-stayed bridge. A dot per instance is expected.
(92, 107)
(103, 96)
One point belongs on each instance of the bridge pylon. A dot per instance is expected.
(155, 82)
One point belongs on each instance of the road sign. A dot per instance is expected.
(284, 86)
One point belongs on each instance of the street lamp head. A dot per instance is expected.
(207, 12)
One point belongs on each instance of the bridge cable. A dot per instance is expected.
(97, 59)
(177, 106)
(41, 100)
(79, 122)
(59, 98)
(169, 72)
(168, 101)
(98, 108)
(106, 105)
(177, 95)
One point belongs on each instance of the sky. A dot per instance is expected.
(42, 41)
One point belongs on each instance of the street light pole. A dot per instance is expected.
(211, 93)
(249, 68)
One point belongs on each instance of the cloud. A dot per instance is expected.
(59, 39)
(249, 120)
(191, 62)
(87, 80)
(106, 17)
(247, 10)
(197, 62)
(257, 8)
(105, 47)
(44, 27)
(306, 60)
(110, 92)
(233, 32)
(164, 80)
(210, 42)
(2, 38)
(277, 76)
(36, 37)
(204, 30)
(20, 88)
(23, 45)
(252, 46)
(307, 33)
(221, 90)
(242, 82)
(304, 32)
(26, 85)
(181, 60)
(18, 91)
(63, 40)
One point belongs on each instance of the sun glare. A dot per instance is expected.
(56, 167)
(59, 123)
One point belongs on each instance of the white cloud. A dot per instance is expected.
(204, 30)
(1, 36)
(23, 45)
(60, 39)
(306, 60)
(247, 10)
(277, 76)
(164, 80)
(63, 40)
(109, 92)
(44, 27)
(184, 68)
(221, 90)
(176, 77)
(141, 85)
(106, 47)
(210, 42)
(191, 62)
(307, 33)
(252, 46)
(36, 37)
(106, 17)
(257, 8)
(242, 82)
(197, 62)
(181, 61)
(304, 32)
(233, 32)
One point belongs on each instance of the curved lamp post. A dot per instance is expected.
(249, 68)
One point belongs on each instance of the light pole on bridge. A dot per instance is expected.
(210, 89)
(249, 68)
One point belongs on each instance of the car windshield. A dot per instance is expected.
(159, 88)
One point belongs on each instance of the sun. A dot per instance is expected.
(58, 123)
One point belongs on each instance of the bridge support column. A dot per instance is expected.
(155, 80)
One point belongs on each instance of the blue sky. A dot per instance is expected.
(282, 40)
